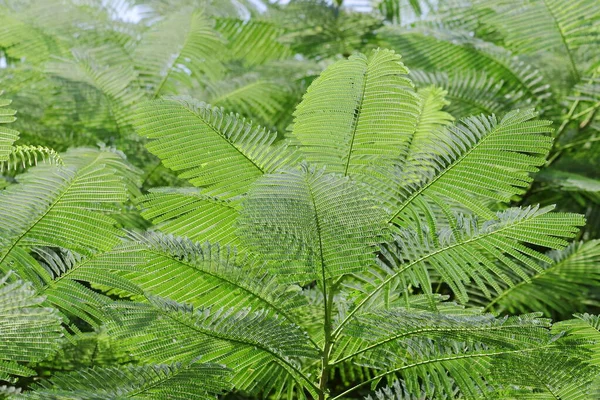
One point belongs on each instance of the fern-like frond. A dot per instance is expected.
(260, 349)
(311, 225)
(432, 118)
(198, 381)
(469, 93)
(65, 207)
(440, 50)
(182, 49)
(260, 98)
(29, 332)
(23, 39)
(359, 112)
(86, 350)
(23, 156)
(559, 286)
(101, 86)
(7, 136)
(538, 26)
(398, 391)
(483, 371)
(48, 206)
(187, 212)
(584, 328)
(64, 266)
(203, 275)
(479, 159)
(560, 371)
(219, 152)
(254, 42)
(380, 331)
(483, 255)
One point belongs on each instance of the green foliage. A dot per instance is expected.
(202, 381)
(30, 332)
(300, 201)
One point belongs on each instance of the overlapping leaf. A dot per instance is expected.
(312, 225)
(29, 332)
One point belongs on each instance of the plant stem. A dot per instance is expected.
(329, 338)
(325, 366)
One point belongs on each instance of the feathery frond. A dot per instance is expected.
(203, 275)
(254, 42)
(455, 53)
(549, 26)
(29, 331)
(325, 225)
(261, 350)
(358, 113)
(559, 286)
(59, 207)
(358, 253)
(219, 152)
(178, 381)
(487, 255)
(479, 159)
(7, 136)
(178, 50)
(584, 328)
(108, 91)
(469, 93)
(26, 156)
(187, 212)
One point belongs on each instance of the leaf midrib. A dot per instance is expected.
(356, 117)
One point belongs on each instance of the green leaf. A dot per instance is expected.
(261, 350)
(456, 52)
(254, 42)
(484, 255)
(561, 285)
(187, 212)
(183, 45)
(476, 161)
(359, 113)
(202, 275)
(7, 136)
(65, 207)
(201, 382)
(219, 152)
(558, 28)
(29, 332)
(311, 225)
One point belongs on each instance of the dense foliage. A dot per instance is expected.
(214, 198)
